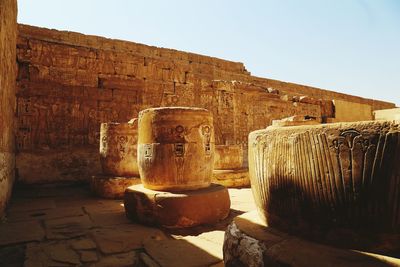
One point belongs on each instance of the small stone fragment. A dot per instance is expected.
(88, 256)
(147, 260)
(62, 253)
(118, 260)
(83, 244)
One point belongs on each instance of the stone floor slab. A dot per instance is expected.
(25, 205)
(109, 219)
(50, 254)
(124, 238)
(47, 214)
(67, 227)
(20, 232)
(181, 253)
(118, 260)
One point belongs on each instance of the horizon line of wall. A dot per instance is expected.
(98, 42)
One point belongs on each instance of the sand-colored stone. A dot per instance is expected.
(336, 181)
(387, 114)
(118, 148)
(228, 157)
(68, 83)
(346, 111)
(183, 253)
(67, 227)
(124, 238)
(88, 256)
(20, 232)
(177, 210)
(250, 242)
(232, 178)
(111, 186)
(118, 260)
(175, 148)
(296, 121)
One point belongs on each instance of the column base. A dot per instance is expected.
(177, 209)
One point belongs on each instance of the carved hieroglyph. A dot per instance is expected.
(175, 148)
(118, 148)
(228, 157)
(342, 175)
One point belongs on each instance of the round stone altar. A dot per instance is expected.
(177, 209)
(250, 242)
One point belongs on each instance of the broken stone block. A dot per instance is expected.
(320, 180)
(296, 121)
(177, 210)
(387, 114)
(228, 157)
(250, 242)
(232, 178)
(88, 256)
(83, 244)
(175, 148)
(118, 148)
(111, 186)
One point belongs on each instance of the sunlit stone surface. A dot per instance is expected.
(337, 183)
(118, 148)
(175, 148)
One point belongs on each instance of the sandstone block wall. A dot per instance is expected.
(68, 83)
(8, 37)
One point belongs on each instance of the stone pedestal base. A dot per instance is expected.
(249, 242)
(178, 209)
(110, 186)
(232, 178)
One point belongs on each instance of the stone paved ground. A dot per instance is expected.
(65, 225)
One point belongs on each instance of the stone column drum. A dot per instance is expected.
(176, 158)
(228, 166)
(118, 148)
(118, 158)
(228, 157)
(175, 148)
(337, 183)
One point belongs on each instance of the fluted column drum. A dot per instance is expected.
(176, 148)
(228, 157)
(118, 148)
(312, 179)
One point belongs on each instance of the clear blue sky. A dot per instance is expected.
(350, 46)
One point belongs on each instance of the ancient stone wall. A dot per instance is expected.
(8, 37)
(68, 83)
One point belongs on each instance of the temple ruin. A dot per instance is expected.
(115, 153)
